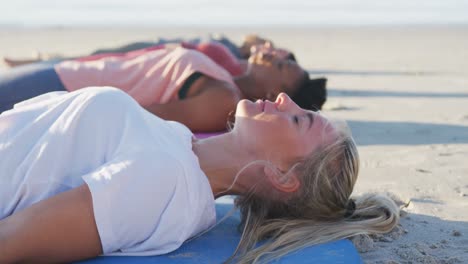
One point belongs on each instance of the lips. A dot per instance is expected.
(262, 105)
(270, 107)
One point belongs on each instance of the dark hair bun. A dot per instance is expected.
(312, 94)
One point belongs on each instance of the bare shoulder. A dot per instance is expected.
(223, 89)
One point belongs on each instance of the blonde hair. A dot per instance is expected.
(321, 211)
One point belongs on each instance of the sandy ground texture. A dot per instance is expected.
(404, 92)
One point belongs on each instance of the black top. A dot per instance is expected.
(186, 86)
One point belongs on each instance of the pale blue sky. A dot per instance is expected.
(238, 12)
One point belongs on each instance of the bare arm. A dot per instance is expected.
(58, 229)
(206, 111)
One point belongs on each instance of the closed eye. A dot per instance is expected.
(311, 119)
(296, 120)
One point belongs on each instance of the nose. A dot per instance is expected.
(283, 101)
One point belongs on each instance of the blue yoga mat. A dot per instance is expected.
(219, 243)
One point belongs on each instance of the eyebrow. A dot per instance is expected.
(311, 119)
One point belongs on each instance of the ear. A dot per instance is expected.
(287, 183)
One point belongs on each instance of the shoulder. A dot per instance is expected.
(156, 171)
(101, 92)
(144, 166)
(217, 90)
(105, 108)
(104, 96)
(226, 90)
(161, 162)
(136, 199)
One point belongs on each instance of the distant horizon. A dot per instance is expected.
(241, 13)
(228, 26)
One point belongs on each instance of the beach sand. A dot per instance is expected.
(404, 92)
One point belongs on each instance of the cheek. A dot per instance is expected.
(288, 150)
(310, 146)
(284, 137)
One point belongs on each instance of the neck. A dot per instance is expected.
(245, 66)
(246, 84)
(221, 158)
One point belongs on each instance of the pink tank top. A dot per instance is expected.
(151, 77)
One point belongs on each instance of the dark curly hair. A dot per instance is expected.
(311, 94)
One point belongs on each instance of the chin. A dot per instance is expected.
(243, 104)
(243, 107)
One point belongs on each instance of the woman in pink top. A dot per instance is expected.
(219, 48)
(175, 84)
(214, 50)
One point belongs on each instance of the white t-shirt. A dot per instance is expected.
(149, 193)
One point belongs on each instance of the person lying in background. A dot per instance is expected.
(214, 50)
(241, 52)
(90, 172)
(173, 83)
(250, 44)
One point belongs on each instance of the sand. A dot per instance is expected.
(404, 92)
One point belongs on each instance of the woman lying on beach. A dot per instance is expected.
(251, 43)
(91, 173)
(216, 51)
(213, 50)
(174, 83)
(244, 51)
